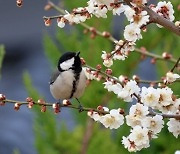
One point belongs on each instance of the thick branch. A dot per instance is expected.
(154, 17)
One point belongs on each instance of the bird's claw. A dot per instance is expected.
(81, 109)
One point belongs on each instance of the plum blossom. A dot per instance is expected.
(107, 60)
(171, 77)
(129, 89)
(174, 127)
(150, 96)
(113, 120)
(154, 124)
(137, 140)
(137, 113)
(165, 96)
(112, 87)
(132, 32)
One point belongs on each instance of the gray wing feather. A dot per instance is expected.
(54, 76)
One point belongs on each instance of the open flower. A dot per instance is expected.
(132, 32)
(113, 120)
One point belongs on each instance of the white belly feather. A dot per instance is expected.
(62, 87)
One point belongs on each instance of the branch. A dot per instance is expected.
(57, 106)
(43, 103)
(110, 37)
(176, 65)
(156, 18)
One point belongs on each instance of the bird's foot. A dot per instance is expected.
(81, 109)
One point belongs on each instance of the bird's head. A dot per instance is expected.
(70, 60)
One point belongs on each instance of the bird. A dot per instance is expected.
(68, 80)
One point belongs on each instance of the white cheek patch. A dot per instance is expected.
(67, 64)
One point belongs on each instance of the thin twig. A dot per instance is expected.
(176, 65)
(152, 113)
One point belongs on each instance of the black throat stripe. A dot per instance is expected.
(75, 82)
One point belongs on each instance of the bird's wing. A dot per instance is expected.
(54, 76)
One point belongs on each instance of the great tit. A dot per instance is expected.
(69, 80)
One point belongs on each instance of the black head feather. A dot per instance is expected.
(68, 55)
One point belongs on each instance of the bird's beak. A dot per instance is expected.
(77, 54)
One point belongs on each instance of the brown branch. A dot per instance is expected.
(3, 101)
(111, 38)
(51, 105)
(156, 18)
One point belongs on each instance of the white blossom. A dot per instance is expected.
(174, 127)
(113, 120)
(165, 96)
(132, 32)
(111, 87)
(119, 10)
(129, 89)
(141, 18)
(129, 12)
(107, 61)
(129, 145)
(137, 113)
(150, 96)
(154, 124)
(61, 23)
(171, 77)
(140, 136)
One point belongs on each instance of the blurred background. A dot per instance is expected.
(32, 51)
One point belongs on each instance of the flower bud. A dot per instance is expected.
(29, 99)
(17, 106)
(30, 104)
(109, 71)
(166, 55)
(106, 34)
(98, 67)
(43, 108)
(47, 22)
(66, 102)
(56, 107)
(19, 3)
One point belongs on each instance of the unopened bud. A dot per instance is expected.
(108, 71)
(98, 67)
(136, 78)
(43, 108)
(29, 99)
(106, 34)
(41, 101)
(30, 104)
(166, 55)
(66, 102)
(19, 3)
(47, 22)
(17, 106)
(56, 108)
(177, 23)
(100, 107)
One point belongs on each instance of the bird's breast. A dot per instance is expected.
(62, 87)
